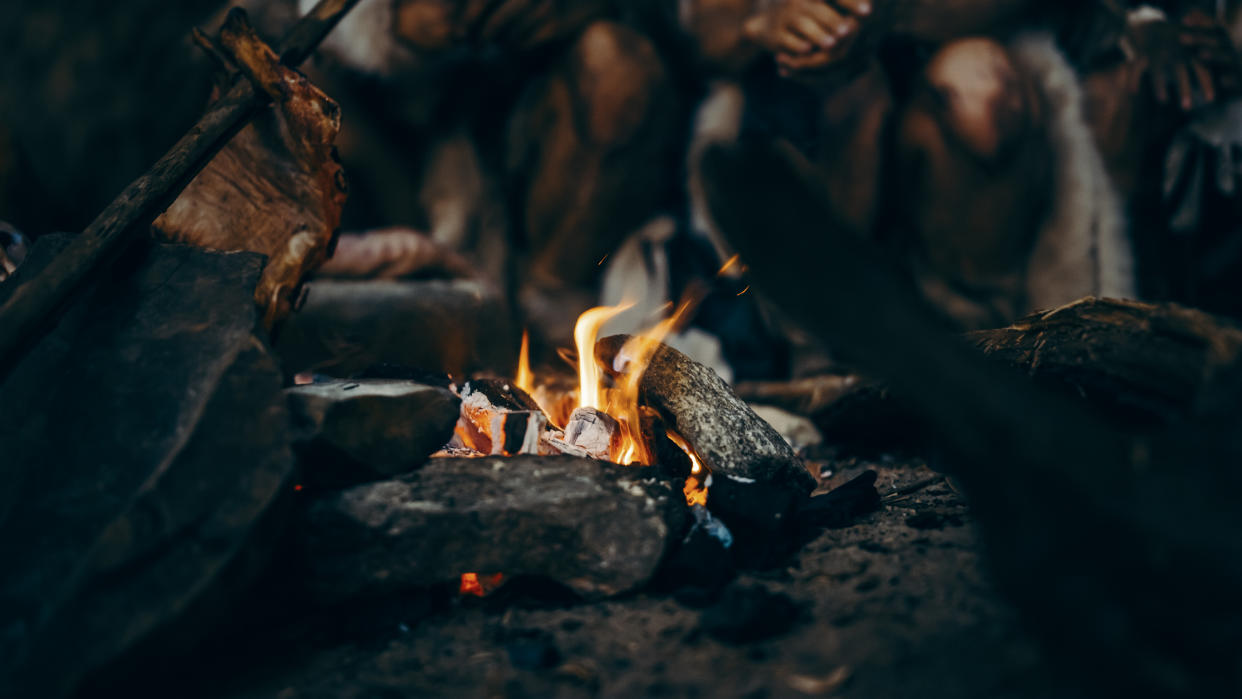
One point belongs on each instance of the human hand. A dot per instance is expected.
(806, 34)
(1180, 59)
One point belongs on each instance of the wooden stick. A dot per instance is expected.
(34, 307)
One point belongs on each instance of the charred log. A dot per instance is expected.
(721, 428)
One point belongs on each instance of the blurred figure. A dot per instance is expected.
(955, 138)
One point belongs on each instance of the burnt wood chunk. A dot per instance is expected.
(145, 444)
(594, 431)
(598, 528)
(721, 428)
(354, 431)
(500, 419)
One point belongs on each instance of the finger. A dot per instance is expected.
(811, 61)
(807, 27)
(858, 8)
(791, 43)
(1187, 91)
(831, 20)
(1204, 77)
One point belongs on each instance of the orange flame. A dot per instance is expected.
(586, 331)
(695, 488)
(634, 357)
(525, 377)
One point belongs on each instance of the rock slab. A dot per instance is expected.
(597, 528)
(354, 431)
(145, 444)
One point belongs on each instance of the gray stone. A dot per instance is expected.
(598, 528)
(354, 431)
(721, 428)
(145, 443)
(347, 326)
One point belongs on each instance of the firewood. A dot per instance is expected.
(594, 431)
(277, 187)
(500, 419)
(33, 308)
(721, 428)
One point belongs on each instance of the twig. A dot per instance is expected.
(34, 307)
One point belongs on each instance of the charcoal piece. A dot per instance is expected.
(669, 458)
(841, 506)
(760, 515)
(346, 326)
(594, 431)
(387, 370)
(721, 428)
(145, 446)
(501, 394)
(598, 528)
(746, 614)
(353, 431)
(500, 419)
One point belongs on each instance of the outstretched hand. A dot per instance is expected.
(1191, 61)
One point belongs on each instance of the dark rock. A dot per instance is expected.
(145, 444)
(721, 428)
(387, 370)
(749, 614)
(760, 515)
(353, 431)
(841, 506)
(348, 326)
(596, 527)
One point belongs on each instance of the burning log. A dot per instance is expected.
(596, 528)
(721, 428)
(500, 419)
(145, 446)
(354, 431)
(276, 188)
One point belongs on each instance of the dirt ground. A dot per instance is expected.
(897, 605)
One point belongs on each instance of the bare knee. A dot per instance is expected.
(618, 74)
(979, 97)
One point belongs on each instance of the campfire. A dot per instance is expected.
(602, 418)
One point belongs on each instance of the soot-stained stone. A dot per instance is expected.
(145, 446)
(595, 527)
(354, 431)
(723, 430)
(347, 326)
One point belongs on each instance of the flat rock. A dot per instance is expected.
(723, 430)
(346, 326)
(352, 431)
(145, 443)
(597, 528)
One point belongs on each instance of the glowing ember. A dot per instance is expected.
(474, 585)
(728, 265)
(586, 331)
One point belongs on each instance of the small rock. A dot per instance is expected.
(354, 431)
(840, 507)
